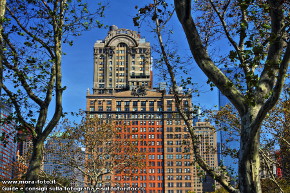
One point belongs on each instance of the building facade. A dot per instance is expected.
(7, 144)
(59, 155)
(229, 138)
(123, 93)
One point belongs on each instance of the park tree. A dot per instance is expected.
(2, 13)
(33, 36)
(255, 39)
(94, 150)
(274, 141)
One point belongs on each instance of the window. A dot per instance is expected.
(187, 170)
(187, 184)
(169, 129)
(170, 163)
(169, 156)
(178, 149)
(178, 163)
(159, 156)
(179, 184)
(152, 136)
(169, 136)
(177, 129)
(151, 171)
(187, 163)
(178, 170)
(169, 142)
(170, 184)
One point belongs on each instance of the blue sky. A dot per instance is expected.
(78, 63)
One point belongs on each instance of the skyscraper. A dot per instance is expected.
(228, 137)
(7, 143)
(123, 92)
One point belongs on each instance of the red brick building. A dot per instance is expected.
(123, 92)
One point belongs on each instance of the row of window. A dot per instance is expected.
(139, 122)
(179, 163)
(142, 103)
(176, 129)
(179, 184)
(178, 156)
(178, 170)
(144, 136)
(136, 129)
(178, 149)
(179, 142)
(135, 178)
(135, 103)
(177, 136)
(120, 51)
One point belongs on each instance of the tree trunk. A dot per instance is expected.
(36, 161)
(249, 160)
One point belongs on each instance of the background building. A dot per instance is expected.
(229, 138)
(7, 143)
(123, 92)
(58, 155)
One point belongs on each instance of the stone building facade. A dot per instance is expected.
(123, 92)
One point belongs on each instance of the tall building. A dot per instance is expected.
(7, 143)
(123, 92)
(121, 61)
(228, 137)
(57, 160)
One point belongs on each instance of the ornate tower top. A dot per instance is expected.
(122, 61)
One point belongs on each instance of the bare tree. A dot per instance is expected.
(34, 33)
(94, 150)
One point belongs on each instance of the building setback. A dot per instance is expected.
(123, 93)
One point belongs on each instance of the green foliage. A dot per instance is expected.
(270, 187)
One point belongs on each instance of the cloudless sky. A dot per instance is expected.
(78, 61)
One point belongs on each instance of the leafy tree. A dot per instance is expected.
(94, 150)
(34, 33)
(2, 13)
(258, 39)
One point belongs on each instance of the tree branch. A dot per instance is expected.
(266, 158)
(21, 75)
(188, 119)
(44, 44)
(268, 75)
(183, 10)
(18, 112)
